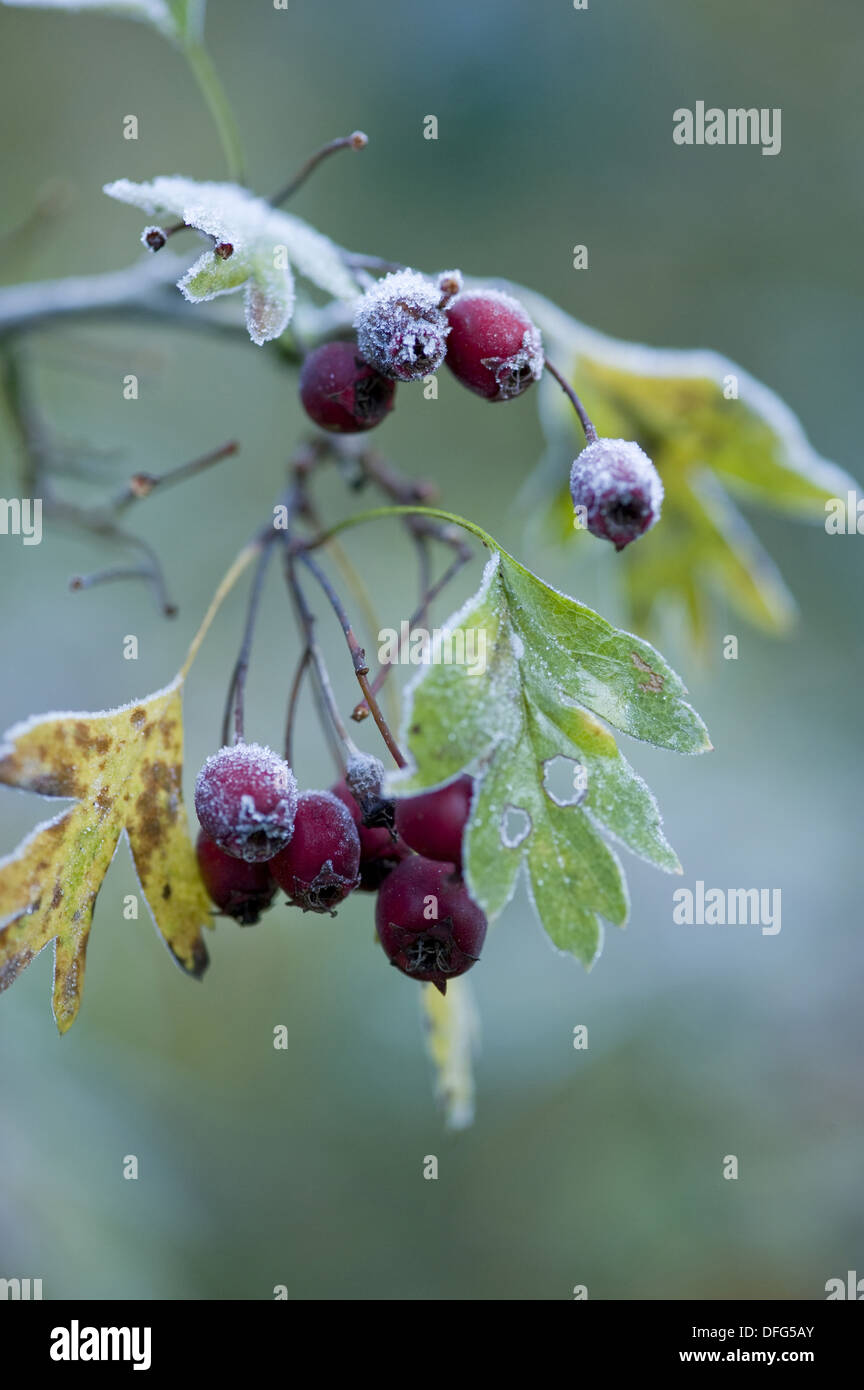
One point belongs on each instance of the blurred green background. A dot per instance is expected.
(603, 1167)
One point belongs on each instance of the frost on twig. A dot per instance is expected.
(254, 247)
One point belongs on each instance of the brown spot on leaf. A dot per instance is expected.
(166, 890)
(655, 680)
(137, 717)
(57, 897)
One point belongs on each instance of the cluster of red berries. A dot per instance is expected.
(258, 834)
(407, 326)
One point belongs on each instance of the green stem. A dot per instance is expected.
(380, 513)
(217, 103)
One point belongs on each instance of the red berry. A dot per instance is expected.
(341, 392)
(379, 851)
(619, 489)
(246, 797)
(401, 325)
(321, 865)
(433, 823)
(494, 349)
(429, 927)
(239, 889)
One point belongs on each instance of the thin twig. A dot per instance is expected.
(358, 658)
(143, 484)
(237, 684)
(355, 141)
(302, 666)
(584, 419)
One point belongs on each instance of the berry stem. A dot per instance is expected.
(307, 621)
(237, 684)
(302, 667)
(584, 419)
(358, 658)
(357, 140)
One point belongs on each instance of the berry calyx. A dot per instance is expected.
(321, 865)
(246, 798)
(380, 850)
(401, 325)
(494, 348)
(427, 924)
(433, 823)
(341, 392)
(239, 889)
(618, 488)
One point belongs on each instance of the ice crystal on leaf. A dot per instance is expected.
(265, 242)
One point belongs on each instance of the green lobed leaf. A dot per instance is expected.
(554, 675)
(709, 448)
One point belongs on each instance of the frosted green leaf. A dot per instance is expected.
(715, 434)
(163, 15)
(265, 244)
(555, 675)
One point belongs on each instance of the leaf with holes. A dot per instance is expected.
(716, 435)
(123, 769)
(545, 678)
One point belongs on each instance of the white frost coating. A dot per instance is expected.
(148, 11)
(243, 791)
(401, 331)
(517, 646)
(364, 775)
(265, 241)
(602, 465)
(515, 826)
(568, 336)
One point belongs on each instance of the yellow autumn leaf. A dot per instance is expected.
(123, 768)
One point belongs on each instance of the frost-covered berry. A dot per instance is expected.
(246, 798)
(380, 850)
(401, 325)
(429, 927)
(433, 822)
(494, 349)
(240, 890)
(619, 488)
(341, 392)
(321, 865)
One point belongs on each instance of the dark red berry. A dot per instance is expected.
(401, 325)
(246, 797)
(618, 490)
(239, 889)
(494, 349)
(321, 865)
(429, 927)
(380, 852)
(433, 823)
(341, 392)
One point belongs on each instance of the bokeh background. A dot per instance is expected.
(603, 1167)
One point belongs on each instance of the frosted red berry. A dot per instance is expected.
(343, 393)
(380, 850)
(494, 348)
(433, 823)
(321, 865)
(239, 889)
(618, 488)
(246, 797)
(427, 924)
(401, 325)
